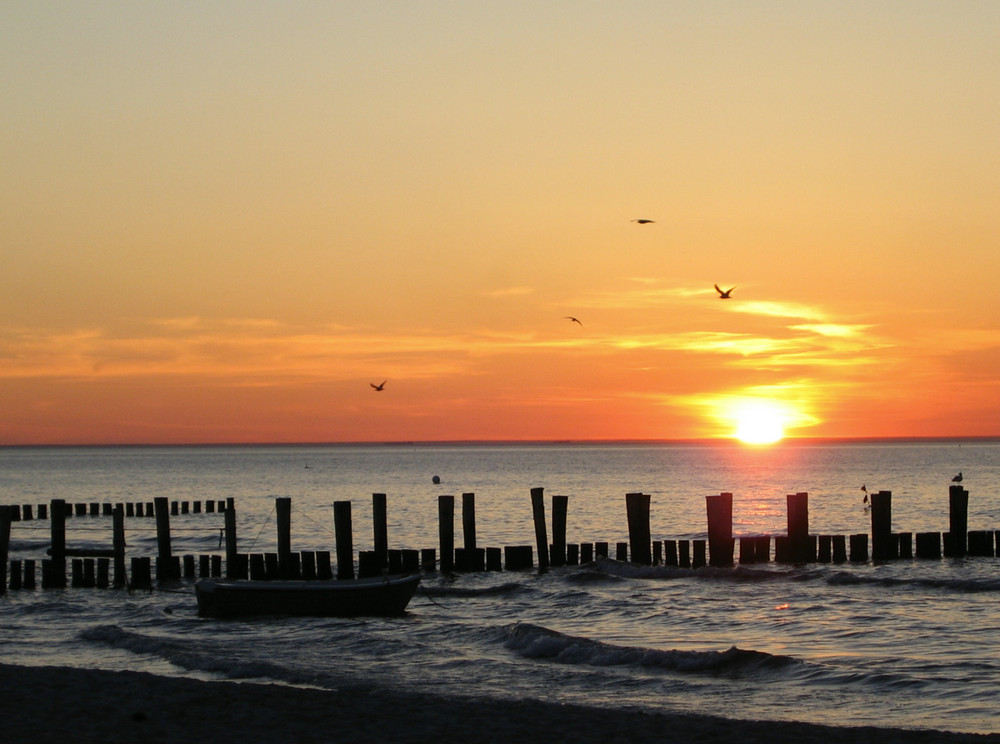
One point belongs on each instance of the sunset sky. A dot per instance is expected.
(222, 221)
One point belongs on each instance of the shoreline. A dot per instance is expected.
(60, 704)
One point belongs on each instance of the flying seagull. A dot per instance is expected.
(957, 478)
(379, 388)
(723, 295)
(571, 318)
(644, 222)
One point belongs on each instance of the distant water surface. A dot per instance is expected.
(911, 643)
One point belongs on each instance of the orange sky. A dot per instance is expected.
(221, 222)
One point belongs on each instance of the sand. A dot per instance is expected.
(57, 704)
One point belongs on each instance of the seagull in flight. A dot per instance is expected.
(723, 295)
(379, 388)
(644, 221)
(572, 319)
(957, 478)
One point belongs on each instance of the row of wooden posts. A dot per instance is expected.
(93, 568)
(27, 512)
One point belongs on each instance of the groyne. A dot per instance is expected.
(107, 566)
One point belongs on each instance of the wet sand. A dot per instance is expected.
(58, 704)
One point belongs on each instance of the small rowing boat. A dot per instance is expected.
(376, 596)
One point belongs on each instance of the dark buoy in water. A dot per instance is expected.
(436, 479)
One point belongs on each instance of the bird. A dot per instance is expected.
(864, 488)
(571, 318)
(957, 478)
(644, 221)
(723, 295)
(379, 388)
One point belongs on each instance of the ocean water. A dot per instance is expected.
(910, 643)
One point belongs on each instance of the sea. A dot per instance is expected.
(911, 643)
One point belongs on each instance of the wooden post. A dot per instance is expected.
(55, 577)
(560, 506)
(323, 569)
(428, 559)
(446, 531)
(928, 545)
(572, 554)
(232, 554)
(541, 536)
(670, 553)
(698, 559)
(141, 574)
(5, 518)
(469, 521)
(118, 544)
(256, 565)
(748, 550)
(637, 512)
(684, 553)
(884, 546)
(762, 548)
(720, 529)
(825, 548)
(798, 528)
(958, 512)
(308, 558)
(859, 548)
(164, 560)
(345, 539)
(518, 557)
(380, 525)
(283, 516)
(586, 553)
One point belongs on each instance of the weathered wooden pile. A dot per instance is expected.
(93, 568)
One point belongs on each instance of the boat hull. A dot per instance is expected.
(378, 596)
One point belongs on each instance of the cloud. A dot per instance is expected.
(777, 309)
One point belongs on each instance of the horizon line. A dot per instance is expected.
(691, 441)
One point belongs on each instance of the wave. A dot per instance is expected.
(620, 569)
(607, 567)
(537, 642)
(511, 587)
(969, 586)
(228, 667)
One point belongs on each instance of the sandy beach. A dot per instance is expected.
(57, 704)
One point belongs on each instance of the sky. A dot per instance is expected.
(225, 221)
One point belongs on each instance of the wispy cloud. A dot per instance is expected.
(778, 309)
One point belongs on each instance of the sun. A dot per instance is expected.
(759, 422)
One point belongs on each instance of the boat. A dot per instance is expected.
(375, 596)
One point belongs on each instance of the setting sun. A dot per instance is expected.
(759, 422)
